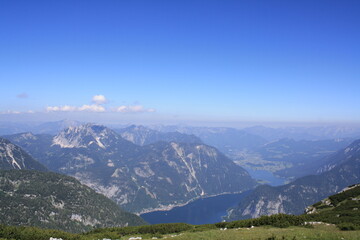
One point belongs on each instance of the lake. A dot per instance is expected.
(266, 176)
(211, 209)
(201, 211)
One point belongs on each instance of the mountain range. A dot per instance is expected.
(139, 178)
(289, 152)
(143, 169)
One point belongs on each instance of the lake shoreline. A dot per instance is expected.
(172, 206)
(200, 211)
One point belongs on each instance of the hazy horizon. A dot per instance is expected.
(187, 123)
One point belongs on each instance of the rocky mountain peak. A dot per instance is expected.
(84, 136)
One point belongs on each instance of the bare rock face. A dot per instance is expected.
(13, 157)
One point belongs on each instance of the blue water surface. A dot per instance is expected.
(266, 176)
(211, 209)
(201, 211)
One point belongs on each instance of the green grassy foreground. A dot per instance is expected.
(271, 233)
(182, 231)
(326, 232)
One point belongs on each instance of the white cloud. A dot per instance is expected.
(99, 99)
(10, 112)
(67, 108)
(17, 112)
(92, 108)
(133, 109)
(97, 107)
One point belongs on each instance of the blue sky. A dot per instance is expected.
(180, 60)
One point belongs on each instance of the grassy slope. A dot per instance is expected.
(319, 232)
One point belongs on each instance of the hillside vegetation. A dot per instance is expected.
(56, 201)
(342, 209)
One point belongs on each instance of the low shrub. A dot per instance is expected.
(277, 220)
(165, 228)
(348, 227)
(33, 233)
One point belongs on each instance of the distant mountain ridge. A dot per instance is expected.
(292, 198)
(7, 128)
(227, 140)
(139, 178)
(305, 133)
(141, 135)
